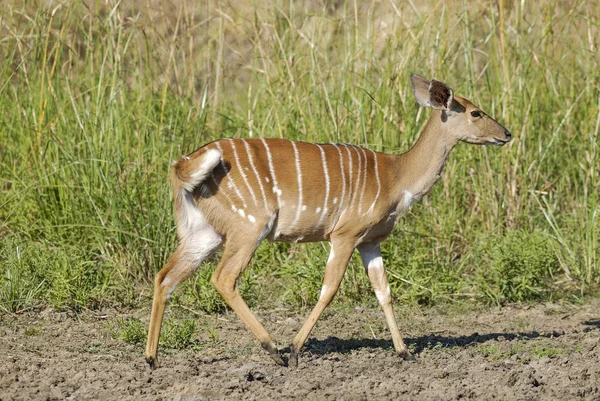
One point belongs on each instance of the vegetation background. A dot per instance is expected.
(98, 97)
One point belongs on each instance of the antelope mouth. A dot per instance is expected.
(500, 142)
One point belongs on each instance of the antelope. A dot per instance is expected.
(237, 192)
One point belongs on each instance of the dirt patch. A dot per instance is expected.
(543, 352)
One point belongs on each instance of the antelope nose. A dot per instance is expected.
(508, 135)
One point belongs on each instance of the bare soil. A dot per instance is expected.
(545, 352)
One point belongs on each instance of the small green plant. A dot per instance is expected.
(19, 289)
(491, 351)
(32, 331)
(176, 334)
(522, 267)
(132, 331)
(180, 334)
(203, 294)
(523, 351)
(212, 332)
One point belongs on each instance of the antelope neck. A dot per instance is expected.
(419, 168)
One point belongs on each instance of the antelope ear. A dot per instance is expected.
(420, 87)
(440, 95)
(434, 94)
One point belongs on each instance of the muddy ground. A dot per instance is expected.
(516, 353)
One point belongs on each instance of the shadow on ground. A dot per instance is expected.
(418, 344)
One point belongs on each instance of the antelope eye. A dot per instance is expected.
(476, 113)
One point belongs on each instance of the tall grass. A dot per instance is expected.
(97, 98)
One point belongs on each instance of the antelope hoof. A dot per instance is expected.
(152, 361)
(278, 359)
(407, 356)
(293, 361)
(274, 354)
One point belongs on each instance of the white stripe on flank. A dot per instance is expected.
(327, 186)
(231, 182)
(378, 183)
(299, 173)
(358, 171)
(350, 191)
(221, 190)
(364, 184)
(272, 172)
(262, 190)
(343, 174)
(239, 166)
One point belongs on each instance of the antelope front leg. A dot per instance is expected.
(334, 273)
(371, 257)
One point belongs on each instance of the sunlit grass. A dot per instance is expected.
(97, 101)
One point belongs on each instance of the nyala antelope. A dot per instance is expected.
(237, 192)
